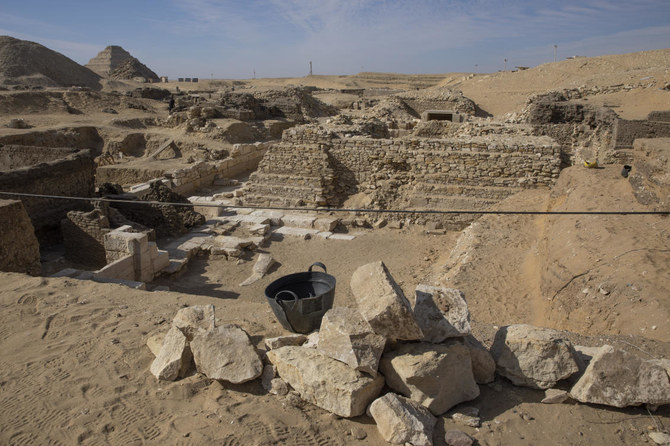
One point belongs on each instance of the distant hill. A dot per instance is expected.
(29, 63)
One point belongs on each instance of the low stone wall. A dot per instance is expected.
(70, 176)
(244, 158)
(19, 250)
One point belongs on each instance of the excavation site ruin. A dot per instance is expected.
(369, 259)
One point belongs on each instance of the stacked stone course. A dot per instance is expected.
(312, 166)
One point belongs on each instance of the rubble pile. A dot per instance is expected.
(405, 365)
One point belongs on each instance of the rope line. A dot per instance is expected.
(324, 209)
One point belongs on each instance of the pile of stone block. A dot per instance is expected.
(405, 364)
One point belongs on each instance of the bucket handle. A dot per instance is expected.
(319, 264)
(280, 302)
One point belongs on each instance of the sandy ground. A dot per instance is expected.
(74, 368)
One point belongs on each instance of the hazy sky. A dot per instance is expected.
(231, 39)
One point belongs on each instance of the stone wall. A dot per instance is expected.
(311, 166)
(75, 137)
(70, 176)
(244, 158)
(19, 250)
(625, 131)
(14, 156)
(663, 116)
(84, 237)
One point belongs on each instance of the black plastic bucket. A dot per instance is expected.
(300, 300)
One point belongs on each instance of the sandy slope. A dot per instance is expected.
(589, 274)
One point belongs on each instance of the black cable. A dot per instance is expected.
(323, 209)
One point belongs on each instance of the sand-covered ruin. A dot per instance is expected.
(251, 180)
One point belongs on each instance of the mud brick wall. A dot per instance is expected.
(19, 249)
(70, 176)
(14, 156)
(663, 116)
(84, 237)
(625, 132)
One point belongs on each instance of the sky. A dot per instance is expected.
(278, 38)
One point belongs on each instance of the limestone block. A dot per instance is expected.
(229, 241)
(155, 342)
(554, 396)
(346, 336)
(299, 221)
(326, 224)
(262, 265)
(173, 358)
(441, 313)
(401, 420)
(483, 365)
(275, 217)
(532, 356)
(617, 378)
(438, 376)
(225, 353)
(383, 304)
(195, 319)
(259, 230)
(346, 237)
(458, 438)
(325, 382)
(283, 341)
(162, 261)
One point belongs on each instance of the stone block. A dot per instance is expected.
(345, 392)
(620, 379)
(299, 221)
(326, 224)
(438, 376)
(194, 320)
(441, 313)
(403, 421)
(346, 336)
(174, 356)
(383, 304)
(532, 356)
(226, 353)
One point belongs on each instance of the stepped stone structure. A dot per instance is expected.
(108, 60)
(314, 166)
